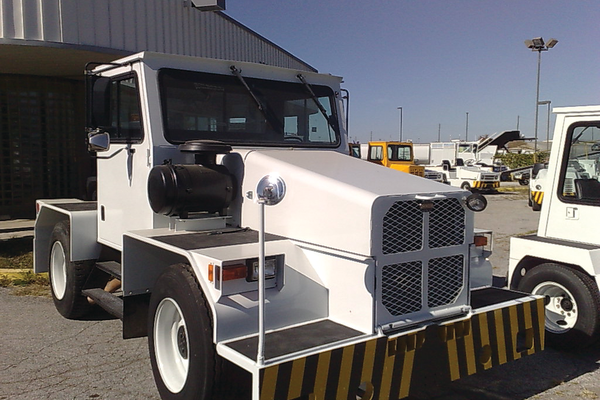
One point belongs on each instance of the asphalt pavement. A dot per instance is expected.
(44, 356)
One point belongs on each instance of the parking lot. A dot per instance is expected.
(47, 357)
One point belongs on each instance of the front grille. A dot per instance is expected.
(424, 245)
(403, 228)
(489, 177)
(402, 284)
(446, 224)
(401, 287)
(445, 280)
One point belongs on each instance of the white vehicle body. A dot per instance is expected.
(468, 177)
(447, 158)
(272, 248)
(565, 252)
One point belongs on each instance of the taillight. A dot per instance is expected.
(480, 241)
(236, 271)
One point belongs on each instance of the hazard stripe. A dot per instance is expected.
(386, 364)
(495, 338)
(537, 197)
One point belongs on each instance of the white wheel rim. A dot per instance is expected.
(561, 308)
(58, 270)
(171, 345)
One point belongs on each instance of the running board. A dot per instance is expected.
(112, 303)
(112, 268)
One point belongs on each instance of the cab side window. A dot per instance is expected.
(124, 111)
(376, 153)
(580, 172)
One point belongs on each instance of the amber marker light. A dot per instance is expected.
(211, 272)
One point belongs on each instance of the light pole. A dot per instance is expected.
(546, 103)
(467, 129)
(400, 124)
(538, 44)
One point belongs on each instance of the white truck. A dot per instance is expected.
(256, 255)
(446, 158)
(562, 261)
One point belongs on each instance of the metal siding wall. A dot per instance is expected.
(136, 25)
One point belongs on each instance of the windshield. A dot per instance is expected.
(219, 107)
(399, 152)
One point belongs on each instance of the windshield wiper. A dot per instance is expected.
(264, 109)
(330, 120)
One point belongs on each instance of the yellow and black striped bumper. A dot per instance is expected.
(485, 185)
(386, 367)
(537, 197)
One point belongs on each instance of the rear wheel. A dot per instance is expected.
(183, 356)
(466, 186)
(67, 277)
(572, 304)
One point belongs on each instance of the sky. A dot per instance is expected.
(439, 60)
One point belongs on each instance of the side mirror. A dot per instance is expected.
(98, 141)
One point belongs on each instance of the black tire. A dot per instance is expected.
(66, 277)
(178, 299)
(523, 182)
(465, 186)
(572, 304)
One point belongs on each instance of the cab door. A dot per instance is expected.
(122, 170)
(573, 210)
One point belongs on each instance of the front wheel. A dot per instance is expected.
(67, 277)
(572, 304)
(465, 186)
(183, 357)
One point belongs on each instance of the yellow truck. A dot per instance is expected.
(394, 155)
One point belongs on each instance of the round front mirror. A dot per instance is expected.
(476, 202)
(270, 189)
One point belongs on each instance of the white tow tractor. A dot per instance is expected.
(257, 256)
(562, 261)
(446, 158)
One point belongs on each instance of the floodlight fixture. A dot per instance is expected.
(551, 43)
(538, 43)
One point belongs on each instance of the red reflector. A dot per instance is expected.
(481, 241)
(237, 271)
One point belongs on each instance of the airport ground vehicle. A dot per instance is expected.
(561, 262)
(446, 158)
(223, 203)
(394, 155)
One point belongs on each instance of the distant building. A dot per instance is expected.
(44, 46)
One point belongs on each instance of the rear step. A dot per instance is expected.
(108, 301)
(110, 267)
(111, 302)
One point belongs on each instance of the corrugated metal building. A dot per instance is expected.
(44, 46)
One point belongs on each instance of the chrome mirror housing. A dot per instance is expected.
(98, 141)
(270, 190)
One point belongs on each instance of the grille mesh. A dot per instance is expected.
(446, 224)
(445, 280)
(403, 228)
(406, 286)
(401, 288)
